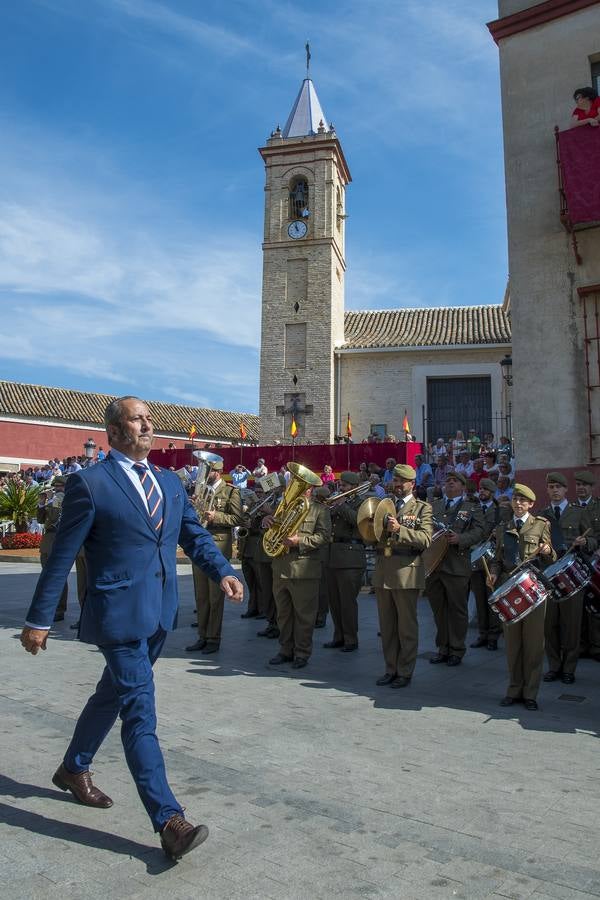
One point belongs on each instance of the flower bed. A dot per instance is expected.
(22, 541)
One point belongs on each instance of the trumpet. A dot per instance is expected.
(358, 491)
(203, 497)
(252, 514)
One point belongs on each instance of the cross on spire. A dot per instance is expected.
(307, 48)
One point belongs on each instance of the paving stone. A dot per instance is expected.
(316, 785)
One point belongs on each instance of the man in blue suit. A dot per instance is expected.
(129, 516)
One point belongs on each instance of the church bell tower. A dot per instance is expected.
(303, 274)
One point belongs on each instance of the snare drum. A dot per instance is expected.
(591, 598)
(485, 550)
(517, 597)
(567, 576)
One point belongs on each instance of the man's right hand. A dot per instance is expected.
(34, 639)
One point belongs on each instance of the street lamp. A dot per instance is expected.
(506, 364)
(89, 448)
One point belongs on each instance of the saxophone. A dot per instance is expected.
(292, 510)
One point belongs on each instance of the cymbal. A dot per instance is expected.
(364, 519)
(387, 507)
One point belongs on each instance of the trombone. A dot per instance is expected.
(358, 491)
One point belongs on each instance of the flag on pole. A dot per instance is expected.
(294, 427)
(348, 427)
(193, 432)
(405, 425)
(243, 432)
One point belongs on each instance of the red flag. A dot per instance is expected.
(405, 425)
(348, 427)
(243, 432)
(193, 432)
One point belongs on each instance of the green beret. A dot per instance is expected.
(488, 485)
(217, 466)
(322, 491)
(556, 478)
(350, 477)
(406, 472)
(524, 491)
(459, 477)
(585, 477)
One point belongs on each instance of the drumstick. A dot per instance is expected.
(585, 533)
(524, 562)
(488, 574)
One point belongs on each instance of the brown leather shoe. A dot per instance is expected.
(80, 785)
(178, 837)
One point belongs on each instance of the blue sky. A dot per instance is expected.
(131, 190)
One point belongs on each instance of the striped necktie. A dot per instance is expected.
(153, 498)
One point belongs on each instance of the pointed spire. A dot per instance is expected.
(306, 113)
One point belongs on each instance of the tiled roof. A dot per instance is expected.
(429, 327)
(39, 402)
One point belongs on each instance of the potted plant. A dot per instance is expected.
(19, 502)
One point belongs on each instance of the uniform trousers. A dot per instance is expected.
(449, 599)
(399, 628)
(251, 579)
(324, 598)
(563, 633)
(126, 689)
(344, 587)
(488, 623)
(297, 602)
(210, 602)
(590, 634)
(267, 601)
(525, 654)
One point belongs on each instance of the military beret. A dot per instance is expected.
(350, 477)
(59, 481)
(406, 472)
(524, 491)
(322, 492)
(488, 485)
(459, 477)
(585, 477)
(556, 478)
(217, 466)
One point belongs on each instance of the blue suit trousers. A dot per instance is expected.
(126, 689)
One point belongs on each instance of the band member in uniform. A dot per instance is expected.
(590, 624)
(322, 495)
(448, 587)
(346, 567)
(226, 513)
(399, 578)
(488, 622)
(249, 535)
(296, 576)
(568, 522)
(519, 539)
(264, 568)
(48, 515)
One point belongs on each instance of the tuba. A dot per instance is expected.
(204, 496)
(292, 509)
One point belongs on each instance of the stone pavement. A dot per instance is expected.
(314, 785)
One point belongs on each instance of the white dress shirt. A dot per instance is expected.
(127, 466)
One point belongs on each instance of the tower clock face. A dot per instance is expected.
(297, 229)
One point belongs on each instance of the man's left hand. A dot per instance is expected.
(580, 541)
(292, 541)
(452, 538)
(209, 516)
(233, 588)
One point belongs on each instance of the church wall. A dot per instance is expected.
(377, 387)
(540, 69)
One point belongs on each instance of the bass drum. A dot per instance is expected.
(435, 553)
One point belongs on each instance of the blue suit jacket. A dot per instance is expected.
(131, 569)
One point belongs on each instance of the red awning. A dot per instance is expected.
(579, 154)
